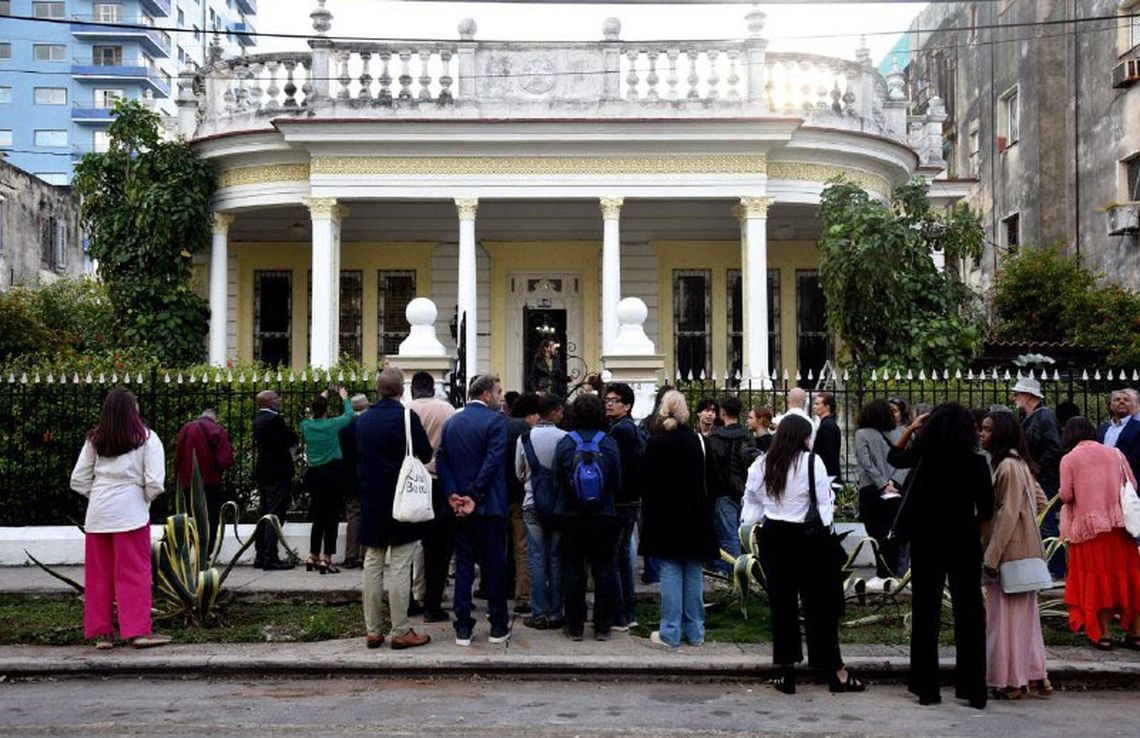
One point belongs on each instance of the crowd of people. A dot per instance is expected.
(536, 495)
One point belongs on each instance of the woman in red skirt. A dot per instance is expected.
(1104, 564)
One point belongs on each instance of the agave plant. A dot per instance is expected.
(187, 580)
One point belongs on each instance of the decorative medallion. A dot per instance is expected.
(537, 75)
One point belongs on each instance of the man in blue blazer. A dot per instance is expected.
(471, 465)
(1123, 429)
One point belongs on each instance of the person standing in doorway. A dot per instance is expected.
(207, 441)
(471, 464)
(276, 446)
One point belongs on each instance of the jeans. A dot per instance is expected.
(544, 562)
(480, 539)
(625, 612)
(682, 601)
(726, 525)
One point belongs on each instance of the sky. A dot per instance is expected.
(830, 29)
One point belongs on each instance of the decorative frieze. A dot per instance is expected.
(539, 165)
(267, 174)
(811, 172)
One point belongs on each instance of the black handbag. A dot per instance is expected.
(902, 526)
(830, 542)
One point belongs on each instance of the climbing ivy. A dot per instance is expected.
(146, 212)
(886, 301)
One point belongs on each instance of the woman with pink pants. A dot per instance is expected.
(121, 470)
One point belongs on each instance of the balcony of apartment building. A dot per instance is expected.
(159, 8)
(247, 7)
(244, 32)
(117, 27)
(109, 64)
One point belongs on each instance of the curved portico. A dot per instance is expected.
(664, 148)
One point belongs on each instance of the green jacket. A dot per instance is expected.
(322, 444)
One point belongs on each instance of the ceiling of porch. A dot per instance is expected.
(529, 220)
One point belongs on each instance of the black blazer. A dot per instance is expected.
(949, 497)
(826, 446)
(1128, 442)
(273, 441)
(676, 520)
(380, 449)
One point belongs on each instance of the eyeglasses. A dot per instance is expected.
(613, 400)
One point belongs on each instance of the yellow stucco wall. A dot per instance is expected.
(366, 257)
(719, 257)
(572, 257)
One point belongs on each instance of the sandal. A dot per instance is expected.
(312, 563)
(328, 567)
(1043, 686)
(104, 644)
(1008, 693)
(851, 684)
(1105, 644)
(151, 641)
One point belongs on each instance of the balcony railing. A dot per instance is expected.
(123, 69)
(249, 7)
(159, 8)
(244, 33)
(90, 114)
(154, 41)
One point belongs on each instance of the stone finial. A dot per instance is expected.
(421, 341)
(611, 29)
(863, 53)
(631, 339)
(467, 28)
(755, 19)
(322, 18)
(216, 50)
(896, 82)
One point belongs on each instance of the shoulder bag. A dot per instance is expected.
(412, 503)
(1026, 575)
(1129, 502)
(832, 544)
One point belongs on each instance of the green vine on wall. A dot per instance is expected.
(146, 212)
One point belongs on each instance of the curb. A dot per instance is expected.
(1068, 674)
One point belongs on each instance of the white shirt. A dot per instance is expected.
(1112, 433)
(120, 488)
(793, 505)
(803, 414)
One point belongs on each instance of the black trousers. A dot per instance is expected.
(275, 500)
(878, 515)
(797, 568)
(932, 563)
(589, 540)
(439, 545)
(324, 484)
(215, 498)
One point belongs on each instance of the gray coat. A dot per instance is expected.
(871, 448)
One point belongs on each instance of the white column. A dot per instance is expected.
(611, 270)
(754, 267)
(324, 347)
(219, 277)
(466, 297)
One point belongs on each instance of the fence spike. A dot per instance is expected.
(36, 378)
(24, 378)
(75, 378)
(138, 378)
(114, 377)
(1135, 375)
(1056, 375)
(797, 377)
(702, 375)
(679, 375)
(89, 379)
(340, 377)
(874, 375)
(1096, 376)
(230, 377)
(51, 378)
(690, 375)
(921, 375)
(193, 378)
(279, 377)
(166, 378)
(957, 374)
(217, 377)
(846, 375)
(811, 375)
(241, 378)
(292, 377)
(737, 375)
(102, 378)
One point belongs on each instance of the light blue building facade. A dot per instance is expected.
(64, 62)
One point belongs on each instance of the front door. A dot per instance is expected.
(543, 306)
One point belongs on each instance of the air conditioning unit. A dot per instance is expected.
(1124, 219)
(1126, 73)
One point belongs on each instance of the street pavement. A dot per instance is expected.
(528, 708)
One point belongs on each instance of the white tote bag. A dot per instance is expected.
(1129, 502)
(412, 503)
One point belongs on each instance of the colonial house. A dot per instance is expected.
(526, 188)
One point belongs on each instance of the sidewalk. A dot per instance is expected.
(529, 653)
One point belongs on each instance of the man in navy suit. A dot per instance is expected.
(1123, 429)
(471, 465)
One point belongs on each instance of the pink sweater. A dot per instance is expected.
(1091, 475)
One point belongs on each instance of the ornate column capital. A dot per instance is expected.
(467, 207)
(221, 223)
(754, 207)
(611, 207)
(326, 207)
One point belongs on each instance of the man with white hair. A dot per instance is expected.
(1122, 429)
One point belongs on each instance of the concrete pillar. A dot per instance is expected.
(754, 267)
(219, 279)
(467, 299)
(611, 269)
(324, 347)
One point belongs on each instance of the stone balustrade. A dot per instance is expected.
(611, 78)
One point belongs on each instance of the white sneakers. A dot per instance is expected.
(462, 641)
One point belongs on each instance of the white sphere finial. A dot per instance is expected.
(611, 29)
(421, 341)
(631, 339)
(467, 28)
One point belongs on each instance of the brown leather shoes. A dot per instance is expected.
(411, 639)
(374, 641)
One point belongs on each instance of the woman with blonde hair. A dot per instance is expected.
(676, 524)
(121, 470)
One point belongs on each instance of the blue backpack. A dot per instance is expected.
(586, 475)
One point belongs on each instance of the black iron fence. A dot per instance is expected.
(44, 418)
